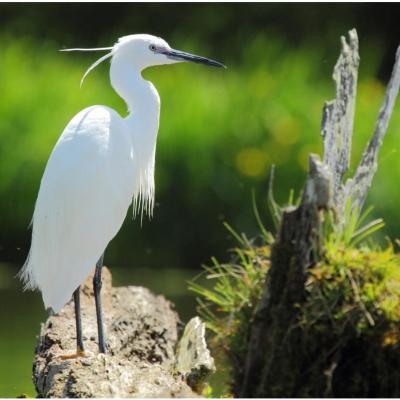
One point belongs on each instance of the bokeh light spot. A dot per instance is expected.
(252, 162)
(286, 131)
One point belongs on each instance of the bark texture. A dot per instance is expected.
(142, 336)
(338, 114)
(270, 361)
(337, 129)
(357, 188)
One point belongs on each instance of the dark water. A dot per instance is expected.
(22, 312)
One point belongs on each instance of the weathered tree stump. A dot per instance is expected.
(280, 362)
(270, 357)
(141, 359)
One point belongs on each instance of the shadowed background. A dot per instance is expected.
(220, 131)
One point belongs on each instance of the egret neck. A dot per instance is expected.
(142, 124)
(140, 96)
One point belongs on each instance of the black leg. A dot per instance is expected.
(97, 297)
(79, 341)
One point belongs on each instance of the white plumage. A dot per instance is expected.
(100, 164)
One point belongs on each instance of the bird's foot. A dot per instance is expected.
(79, 353)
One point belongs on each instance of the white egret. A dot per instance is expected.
(100, 164)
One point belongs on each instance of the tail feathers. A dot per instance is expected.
(52, 301)
(54, 305)
(26, 275)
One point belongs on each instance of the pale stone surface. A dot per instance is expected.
(193, 359)
(142, 335)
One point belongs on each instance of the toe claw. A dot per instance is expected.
(79, 353)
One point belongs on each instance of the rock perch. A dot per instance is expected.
(141, 361)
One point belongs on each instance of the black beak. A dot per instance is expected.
(182, 56)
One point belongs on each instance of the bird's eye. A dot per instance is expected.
(152, 47)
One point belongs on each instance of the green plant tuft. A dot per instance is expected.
(355, 289)
(229, 305)
(352, 293)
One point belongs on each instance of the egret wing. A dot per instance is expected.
(83, 198)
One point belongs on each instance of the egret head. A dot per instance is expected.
(141, 51)
(146, 51)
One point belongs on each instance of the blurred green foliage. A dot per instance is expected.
(220, 132)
